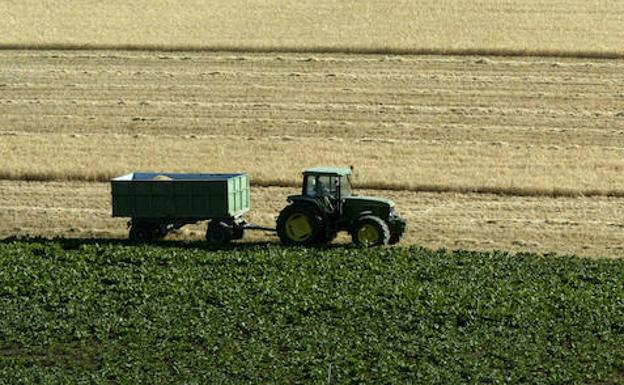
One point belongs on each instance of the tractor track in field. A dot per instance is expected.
(372, 186)
(349, 50)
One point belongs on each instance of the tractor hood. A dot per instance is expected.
(356, 206)
(368, 201)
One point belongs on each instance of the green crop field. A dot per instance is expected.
(76, 311)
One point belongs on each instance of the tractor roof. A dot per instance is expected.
(342, 171)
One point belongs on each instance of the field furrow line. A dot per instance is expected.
(373, 186)
(54, 209)
(353, 50)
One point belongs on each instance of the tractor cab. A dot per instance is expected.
(328, 186)
(327, 206)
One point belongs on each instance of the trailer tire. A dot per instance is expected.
(299, 224)
(161, 231)
(218, 232)
(140, 233)
(238, 233)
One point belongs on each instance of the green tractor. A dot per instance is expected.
(327, 206)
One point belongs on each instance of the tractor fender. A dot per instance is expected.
(356, 219)
(363, 214)
(360, 216)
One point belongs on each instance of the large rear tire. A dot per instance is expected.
(370, 231)
(299, 225)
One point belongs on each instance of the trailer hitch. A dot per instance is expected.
(251, 226)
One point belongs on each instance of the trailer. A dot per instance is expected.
(158, 203)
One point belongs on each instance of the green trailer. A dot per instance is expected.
(160, 202)
(157, 203)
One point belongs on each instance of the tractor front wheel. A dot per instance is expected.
(370, 231)
(299, 225)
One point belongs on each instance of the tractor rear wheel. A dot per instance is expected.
(370, 231)
(299, 225)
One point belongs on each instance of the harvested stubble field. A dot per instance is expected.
(556, 27)
(546, 134)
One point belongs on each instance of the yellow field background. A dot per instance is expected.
(543, 136)
(530, 26)
(433, 103)
(519, 126)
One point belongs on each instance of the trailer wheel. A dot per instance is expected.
(140, 233)
(370, 231)
(218, 232)
(238, 233)
(161, 231)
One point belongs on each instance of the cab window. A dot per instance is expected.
(345, 186)
(311, 186)
(326, 186)
(321, 186)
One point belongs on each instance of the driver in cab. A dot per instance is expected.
(320, 188)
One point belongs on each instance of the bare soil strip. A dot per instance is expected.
(494, 52)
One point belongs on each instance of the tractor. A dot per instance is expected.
(327, 205)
